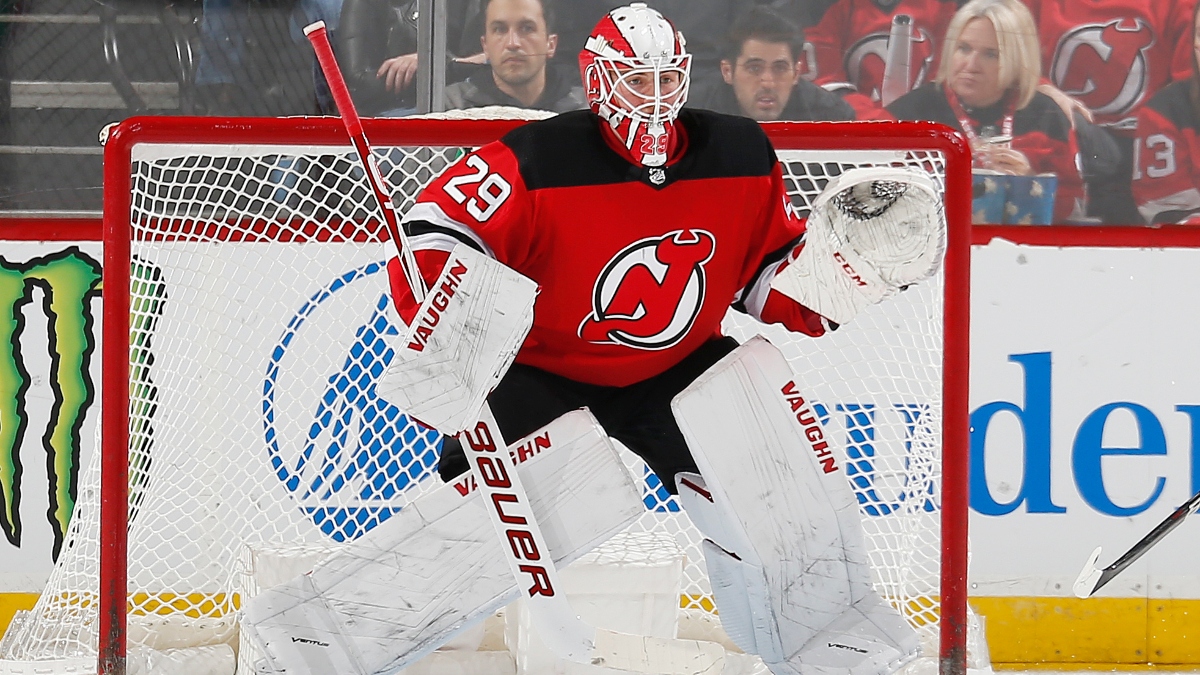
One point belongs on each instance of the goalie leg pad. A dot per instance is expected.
(437, 567)
(871, 232)
(770, 471)
(866, 639)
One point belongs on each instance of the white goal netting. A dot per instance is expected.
(259, 324)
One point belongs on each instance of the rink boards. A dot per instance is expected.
(1086, 414)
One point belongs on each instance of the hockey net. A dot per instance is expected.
(244, 271)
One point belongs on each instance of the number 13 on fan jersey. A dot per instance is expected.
(490, 192)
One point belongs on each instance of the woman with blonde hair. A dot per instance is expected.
(1166, 176)
(986, 87)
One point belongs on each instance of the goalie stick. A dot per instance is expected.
(443, 375)
(1092, 579)
(558, 625)
(319, 38)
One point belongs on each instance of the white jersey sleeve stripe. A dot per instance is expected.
(753, 297)
(428, 220)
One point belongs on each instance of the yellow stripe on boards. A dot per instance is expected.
(1024, 633)
(11, 603)
(1174, 627)
(1094, 634)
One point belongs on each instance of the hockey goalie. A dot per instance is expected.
(611, 243)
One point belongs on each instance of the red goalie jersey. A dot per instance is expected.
(1114, 55)
(637, 265)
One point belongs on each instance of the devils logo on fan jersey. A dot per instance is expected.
(866, 59)
(650, 293)
(1105, 66)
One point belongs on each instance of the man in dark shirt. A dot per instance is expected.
(517, 39)
(762, 74)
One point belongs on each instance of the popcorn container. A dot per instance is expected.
(990, 192)
(1030, 199)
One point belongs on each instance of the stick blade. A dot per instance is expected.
(1089, 577)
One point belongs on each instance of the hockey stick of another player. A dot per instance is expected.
(897, 68)
(319, 38)
(1091, 579)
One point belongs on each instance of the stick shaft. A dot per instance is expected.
(319, 38)
(511, 512)
(1147, 542)
(897, 67)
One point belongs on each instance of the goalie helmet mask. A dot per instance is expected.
(636, 72)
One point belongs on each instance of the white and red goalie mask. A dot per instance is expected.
(635, 70)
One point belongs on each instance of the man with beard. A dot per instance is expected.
(517, 40)
(762, 71)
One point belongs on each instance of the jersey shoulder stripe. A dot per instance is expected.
(568, 150)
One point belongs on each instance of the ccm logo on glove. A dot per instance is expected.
(849, 270)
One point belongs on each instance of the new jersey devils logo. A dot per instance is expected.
(1105, 66)
(649, 294)
(866, 59)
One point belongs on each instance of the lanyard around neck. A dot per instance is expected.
(965, 120)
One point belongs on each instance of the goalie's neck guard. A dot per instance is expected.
(636, 72)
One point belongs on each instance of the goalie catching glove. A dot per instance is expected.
(871, 233)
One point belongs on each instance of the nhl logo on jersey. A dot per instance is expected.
(658, 176)
(650, 293)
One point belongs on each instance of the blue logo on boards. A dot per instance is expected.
(1088, 449)
(360, 452)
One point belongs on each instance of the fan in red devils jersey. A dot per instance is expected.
(1111, 57)
(639, 248)
(850, 46)
(986, 87)
(1114, 55)
(1166, 172)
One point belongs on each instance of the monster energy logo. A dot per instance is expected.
(68, 280)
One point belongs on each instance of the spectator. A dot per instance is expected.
(1106, 59)
(377, 48)
(986, 86)
(518, 38)
(224, 26)
(1166, 180)
(246, 62)
(849, 46)
(762, 74)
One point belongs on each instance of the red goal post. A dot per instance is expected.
(922, 143)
